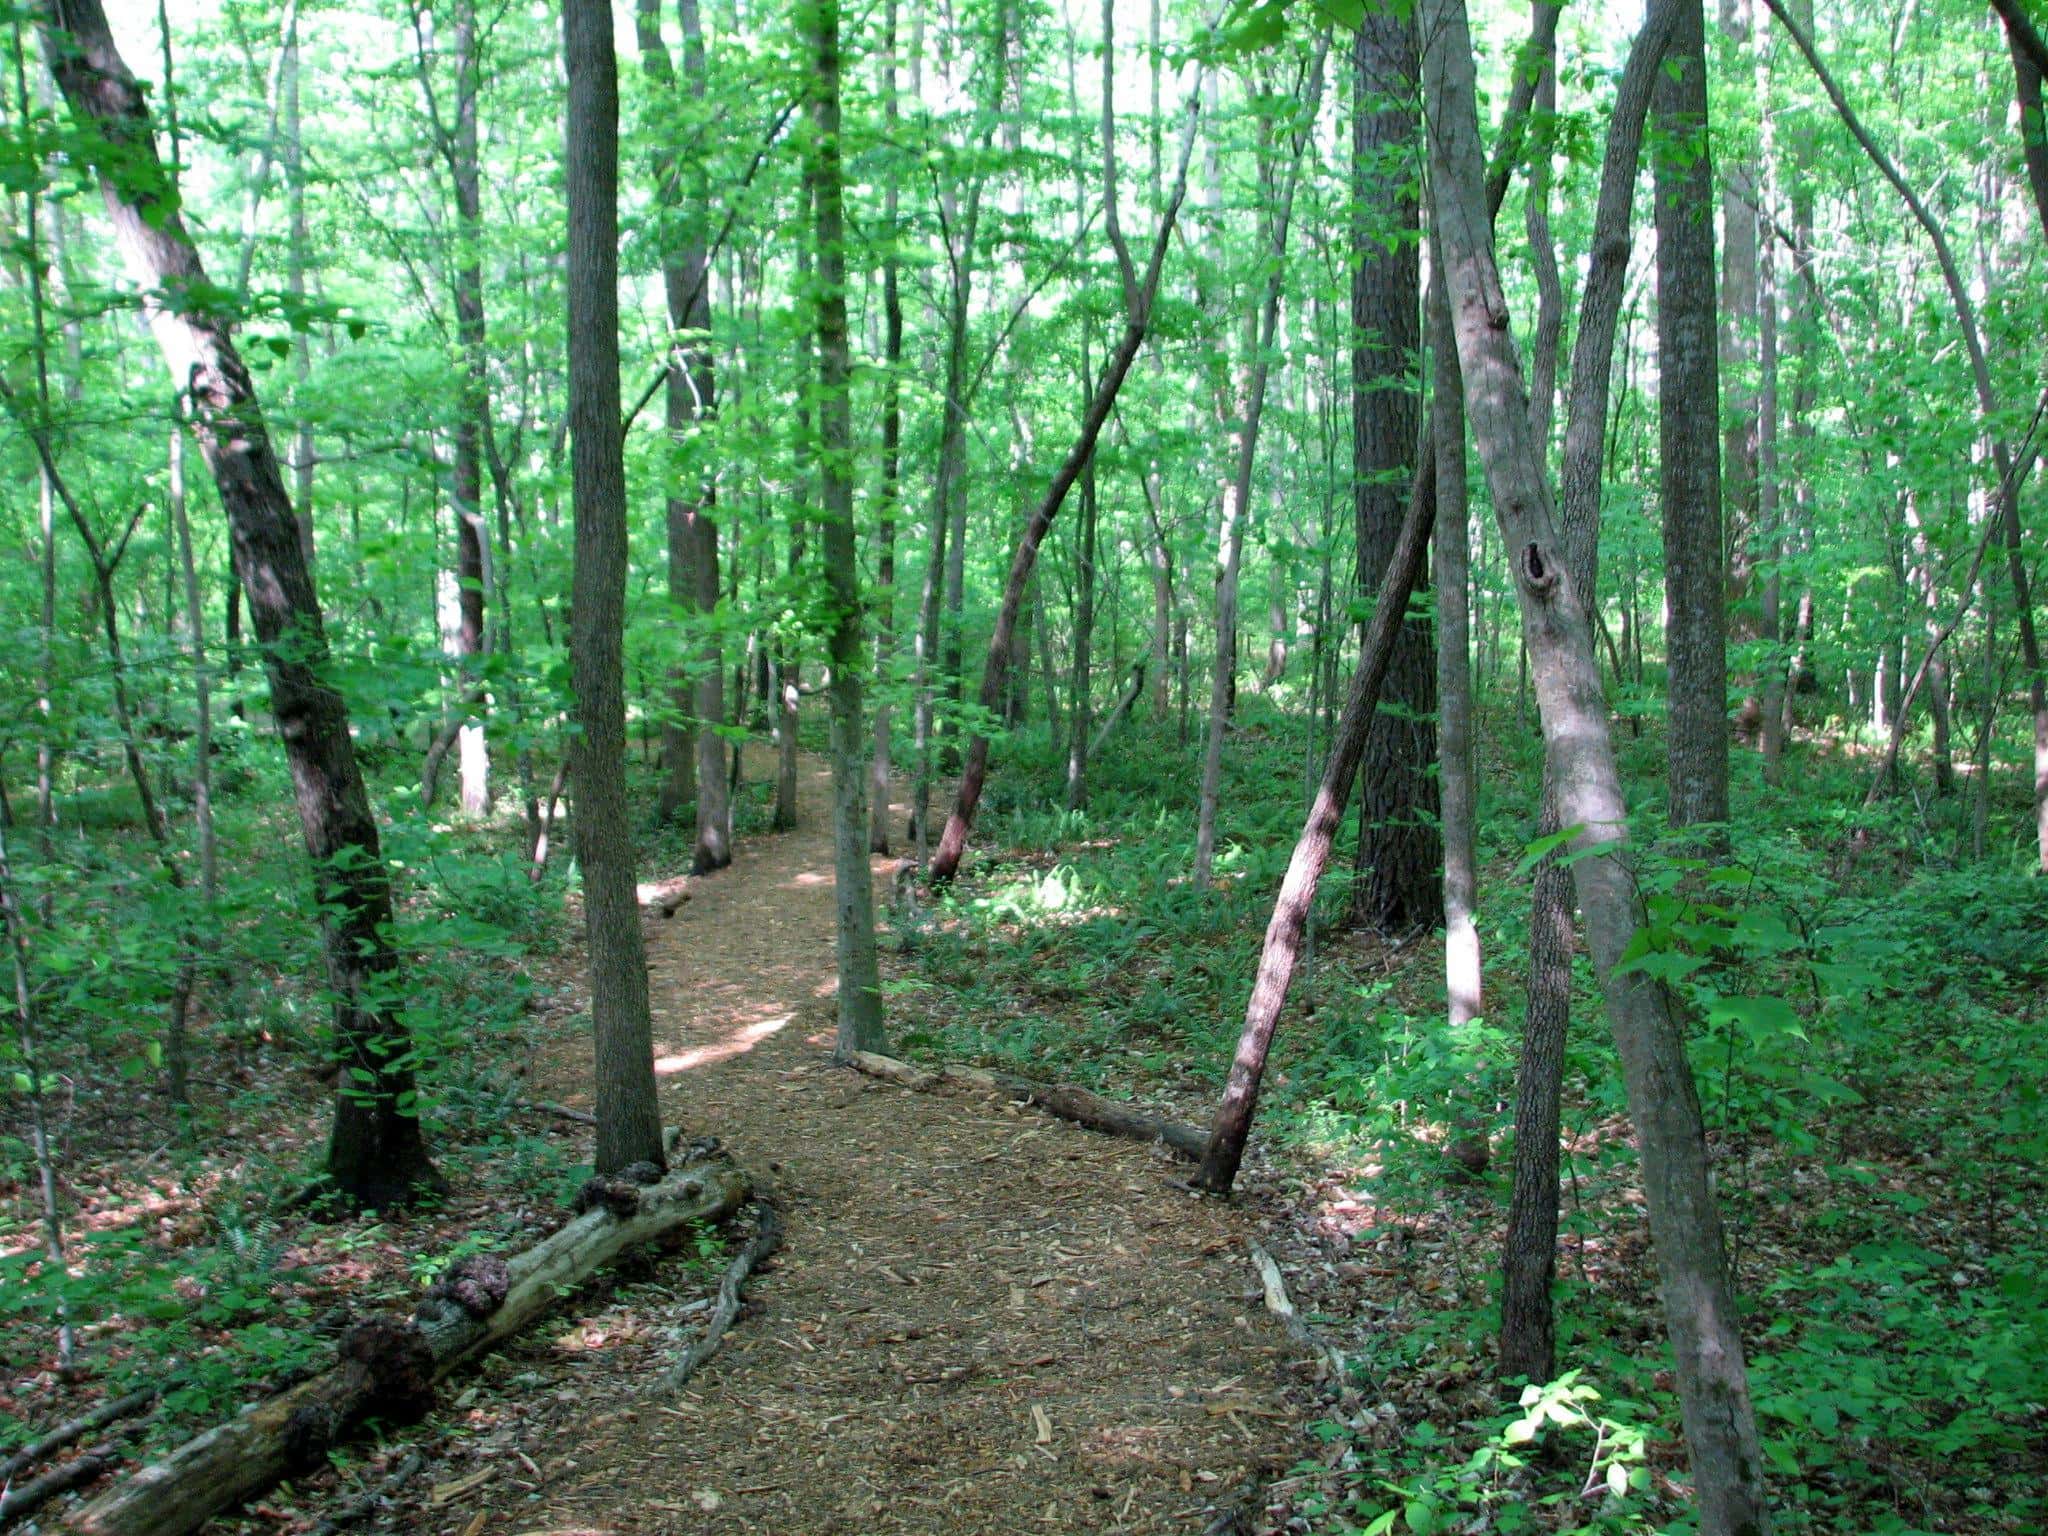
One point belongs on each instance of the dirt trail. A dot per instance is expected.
(981, 1319)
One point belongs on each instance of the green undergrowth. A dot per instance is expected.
(1864, 1011)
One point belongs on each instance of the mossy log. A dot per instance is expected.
(390, 1366)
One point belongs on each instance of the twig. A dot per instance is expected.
(767, 1237)
(581, 1117)
(1281, 1305)
(73, 1429)
(366, 1501)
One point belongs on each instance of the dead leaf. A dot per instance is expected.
(1044, 1423)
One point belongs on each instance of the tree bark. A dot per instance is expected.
(1688, 422)
(1399, 849)
(860, 986)
(1684, 1218)
(376, 1154)
(629, 1122)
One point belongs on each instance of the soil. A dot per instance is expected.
(980, 1319)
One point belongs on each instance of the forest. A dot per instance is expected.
(1234, 766)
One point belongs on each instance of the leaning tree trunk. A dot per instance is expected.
(1139, 294)
(1281, 950)
(376, 1154)
(1685, 1224)
(628, 1120)
(860, 986)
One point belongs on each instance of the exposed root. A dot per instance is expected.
(767, 1237)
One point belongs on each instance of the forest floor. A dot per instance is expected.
(981, 1319)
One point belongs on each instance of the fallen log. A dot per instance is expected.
(390, 1366)
(74, 1429)
(1061, 1099)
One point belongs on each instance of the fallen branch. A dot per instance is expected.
(1061, 1099)
(560, 1111)
(1281, 1305)
(31, 1496)
(766, 1239)
(389, 1367)
(368, 1500)
(74, 1429)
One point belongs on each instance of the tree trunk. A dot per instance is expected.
(2005, 502)
(628, 1120)
(1399, 848)
(1458, 787)
(1688, 420)
(693, 749)
(471, 559)
(892, 456)
(2029, 65)
(376, 1155)
(1281, 950)
(1081, 720)
(860, 986)
(1139, 295)
(1684, 1219)
(394, 1366)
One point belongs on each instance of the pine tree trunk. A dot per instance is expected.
(628, 1119)
(1688, 420)
(1399, 848)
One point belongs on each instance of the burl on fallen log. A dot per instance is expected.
(389, 1366)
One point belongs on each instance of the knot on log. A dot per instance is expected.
(312, 1430)
(619, 1194)
(397, 1363)
(477, 1284)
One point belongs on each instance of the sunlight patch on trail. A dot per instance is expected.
(737, 1043)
